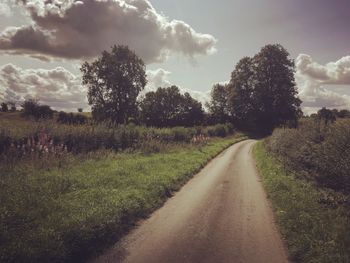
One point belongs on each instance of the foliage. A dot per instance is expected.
(219, 130)
(31, 108)
(313, 221)
(263, 94)
(326, 115)
(114, 81)
(4, 107)
(317, 150)
(64, 209)
(93, 136)
(80, 110)
(70, 118)
(167, 107)
(219, 108)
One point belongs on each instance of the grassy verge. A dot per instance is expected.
(68, 212)
(314, 231)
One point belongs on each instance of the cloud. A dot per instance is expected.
(315, 83)
(160, 78)
(57, 87)
(5, 10)
(62, 90)
(74, 29)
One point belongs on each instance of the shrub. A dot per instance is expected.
(220, 130)
(31, 108)
(70, 118)
(4, 107)
(318, 151)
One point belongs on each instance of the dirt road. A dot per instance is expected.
(221, 215)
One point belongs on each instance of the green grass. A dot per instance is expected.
(71, 210)
(314, 231)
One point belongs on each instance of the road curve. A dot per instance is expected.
(221, 215)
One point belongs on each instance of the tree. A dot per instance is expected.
(12, 106)
(344, 114)
(4, 107)
(32, 108)
(168, 107)
(263, 92)
(80, 109)
(241, 97)
(326, 115)
(114, 81)
(219, 110)
(191, 112)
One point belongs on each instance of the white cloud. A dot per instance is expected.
(314, 82)
(160, 78)
(62, 90)
(82, 29)
(5, 10)
(57, 87)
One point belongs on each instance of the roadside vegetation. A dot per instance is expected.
(305, 172)
(62, 208)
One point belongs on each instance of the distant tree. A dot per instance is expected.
(191, 112)
(114, 81)
(80, 109)
(344, 114)
(326, 115)
(12, 105)
(218, 107)
(4, 107)
(70, 118)
(263, 93)
(32, 108)
(168, 107)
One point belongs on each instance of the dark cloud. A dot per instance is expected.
(82, 29)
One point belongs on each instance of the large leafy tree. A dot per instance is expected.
(263, 91)
(167, 107)
(218, 107)
(114, 81)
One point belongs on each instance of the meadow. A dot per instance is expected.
(69, 204)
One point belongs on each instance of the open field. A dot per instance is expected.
(313, 222)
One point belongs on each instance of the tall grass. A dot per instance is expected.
(89, 137)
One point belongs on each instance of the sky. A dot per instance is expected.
(189, 43)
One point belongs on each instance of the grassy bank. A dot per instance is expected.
(316, 227)
(70, 210)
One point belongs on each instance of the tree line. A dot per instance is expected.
(260, 95)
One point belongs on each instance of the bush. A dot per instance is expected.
(31, 108)
(220, 130)
(93, 136)
(70, 118)
(4, 107)
(318, 151)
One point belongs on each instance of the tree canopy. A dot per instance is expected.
(167, 107)
(218, 107)
(114, 81)
(262, 91)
